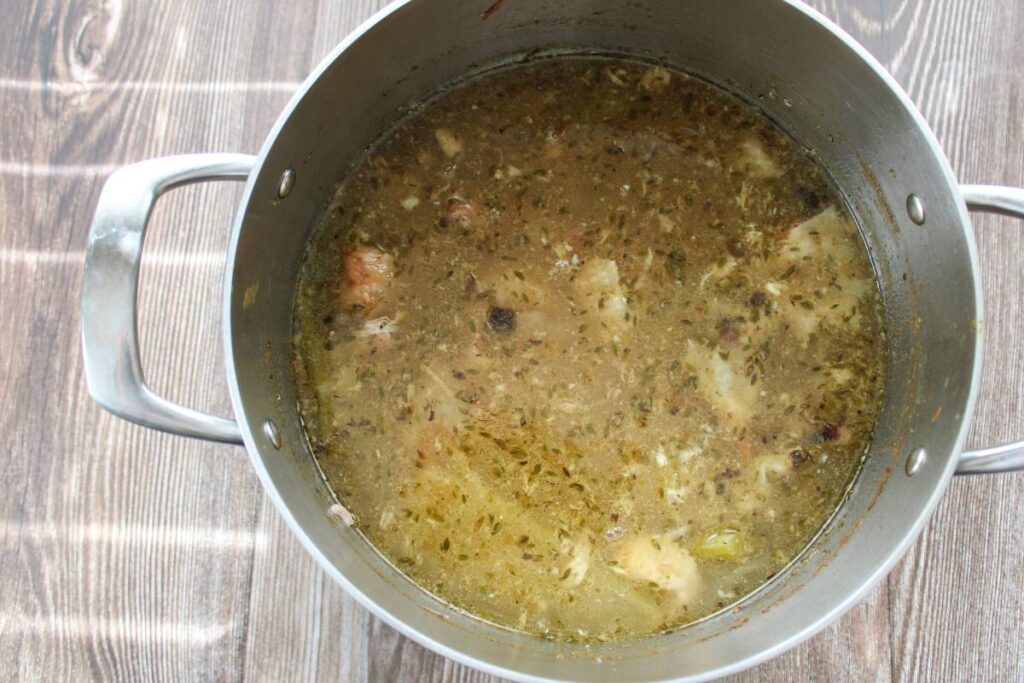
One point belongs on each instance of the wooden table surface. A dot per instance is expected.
(128, 554)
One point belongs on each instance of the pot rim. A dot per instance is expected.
(810, 629)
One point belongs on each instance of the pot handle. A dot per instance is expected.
(1008, 201)
(110, 343)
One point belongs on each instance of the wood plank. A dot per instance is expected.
(957, 598)
(125, 554)
(128, 554)
(956, 603)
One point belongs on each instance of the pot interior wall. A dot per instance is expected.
(771, 53)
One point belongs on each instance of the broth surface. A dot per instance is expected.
(590, 349)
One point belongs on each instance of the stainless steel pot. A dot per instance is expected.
(802, 71)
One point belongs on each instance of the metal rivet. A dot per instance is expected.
(287, 183)
(270, 431)
(915, 460)
(915, 209)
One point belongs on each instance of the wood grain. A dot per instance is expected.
(131, 555)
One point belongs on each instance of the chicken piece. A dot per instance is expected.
(659, 559)
(755, 160)
(368, 274)
(830, 237)
(766, 471)
(722, 385)
(825, 233)
(826, 236)
(458, 211)
(578, 566)
(450, 145)
(655, 79)
(382, 328)
(598, 285)
(772, 466)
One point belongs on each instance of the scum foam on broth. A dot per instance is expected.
(588, 348)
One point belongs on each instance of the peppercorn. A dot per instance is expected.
(501, 319)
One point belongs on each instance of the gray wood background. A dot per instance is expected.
(127, 554)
